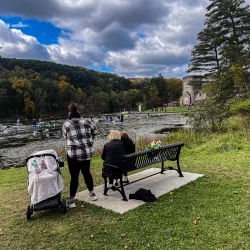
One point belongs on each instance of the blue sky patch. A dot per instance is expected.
(141, 35)
(103, 69)
(45, 32)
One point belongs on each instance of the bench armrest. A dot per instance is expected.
(119, 167)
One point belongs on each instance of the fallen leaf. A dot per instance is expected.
(105, 231)
(123, 235)
(92, 236)
(126, 246)
(196, 233)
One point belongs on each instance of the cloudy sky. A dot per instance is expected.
(134, 38)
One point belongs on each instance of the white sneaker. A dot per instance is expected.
(92, 197)
(70, 203)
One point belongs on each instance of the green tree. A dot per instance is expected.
(155, 100)
(206, 54)
(160, 84)
(174, 86)
(53, 97)
(114, 102)
(4, 103)
(66, 91)
(29, 107)
(40, 100)
(208, 114)
(131, 97)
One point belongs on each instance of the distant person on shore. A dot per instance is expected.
(18, 121)
(79, 134)
(91, 117)
(112, 154)
(129, 147)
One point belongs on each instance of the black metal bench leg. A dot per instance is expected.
(122, 190)
(105, 186)
(162, 167)
(179, 169)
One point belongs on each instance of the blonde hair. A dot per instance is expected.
(114, 135)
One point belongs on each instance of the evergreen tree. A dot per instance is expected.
(225, 41)
(232, 21)
(206, 54)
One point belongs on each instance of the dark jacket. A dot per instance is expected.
(112, 154)
(129, 146)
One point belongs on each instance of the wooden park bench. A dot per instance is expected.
(140, 160)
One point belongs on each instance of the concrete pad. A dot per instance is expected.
(158, 184)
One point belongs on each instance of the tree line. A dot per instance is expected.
(32, 88)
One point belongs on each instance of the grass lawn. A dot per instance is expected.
(179, 109)
(212, 212)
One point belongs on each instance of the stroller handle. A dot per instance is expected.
(40, 155)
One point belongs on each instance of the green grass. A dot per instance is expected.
(218, 202)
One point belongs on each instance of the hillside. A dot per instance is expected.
(31, 87)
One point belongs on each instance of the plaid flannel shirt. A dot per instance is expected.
(79, 134)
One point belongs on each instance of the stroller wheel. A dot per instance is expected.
(63, 206)
(28, 212)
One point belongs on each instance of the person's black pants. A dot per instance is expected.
(74, 169)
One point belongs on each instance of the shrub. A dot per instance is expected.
(241, 107)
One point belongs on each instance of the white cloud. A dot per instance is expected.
(134, 38)
(16, 44)
(74, 53)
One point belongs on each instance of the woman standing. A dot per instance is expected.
(79, 134)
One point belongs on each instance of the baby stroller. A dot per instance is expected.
(45, 183)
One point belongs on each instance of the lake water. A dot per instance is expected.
(14, 149)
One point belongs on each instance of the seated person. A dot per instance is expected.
(129, 147)
(112, 154)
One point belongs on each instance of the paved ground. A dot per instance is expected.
(159, 185)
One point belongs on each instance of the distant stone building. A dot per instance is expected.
(191, 93)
